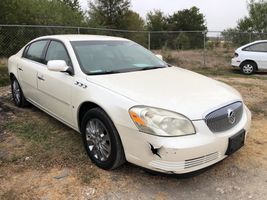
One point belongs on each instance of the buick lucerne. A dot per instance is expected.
(128, 104)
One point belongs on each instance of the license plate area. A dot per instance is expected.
(236, 142)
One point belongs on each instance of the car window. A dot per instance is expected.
(35, 51)
(260, 47)
(57, 51)
(121, 56)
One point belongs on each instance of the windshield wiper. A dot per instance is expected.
(154, 67)
(104, 72)
(125, 70)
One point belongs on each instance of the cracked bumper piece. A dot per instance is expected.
(179, 155)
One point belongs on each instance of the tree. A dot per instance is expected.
(188, 20)
(73, 4)
(157, 21)
(257, 18)
(133, 21)
(109, 13)
(33, 12)
(251, 27)
(182, 41)
(39, 12)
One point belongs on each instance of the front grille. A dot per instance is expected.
(225, 118)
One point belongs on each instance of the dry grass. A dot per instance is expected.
(3, 61)
(4, 78)
(191, 59)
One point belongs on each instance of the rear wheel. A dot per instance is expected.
(101, 140)
(248, 67)
(17, 94)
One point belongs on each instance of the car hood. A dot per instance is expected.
(172, 88)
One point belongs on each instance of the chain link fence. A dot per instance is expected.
(189, 49)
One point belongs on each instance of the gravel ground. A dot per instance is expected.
(42, 159)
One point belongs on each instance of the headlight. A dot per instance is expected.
(161, 122)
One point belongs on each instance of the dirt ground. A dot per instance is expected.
(40, 158)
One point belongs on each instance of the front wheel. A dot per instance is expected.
(101, 140)
(248, 68)
(17, 94)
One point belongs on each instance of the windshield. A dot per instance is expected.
(102, 57)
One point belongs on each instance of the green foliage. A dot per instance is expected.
(237, 38)
(34, 12)
(187, 20)
(73, 4)
(4, 77)
(108, 14)
(157, 21)
(116, 14)
(133, 21)
(183, 20)
(257, 19)
(255, 22)
(182, 41)
(44, 12)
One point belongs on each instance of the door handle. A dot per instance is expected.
(41, 78)
(20, 69)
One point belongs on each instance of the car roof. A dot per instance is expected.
(81, 37)
(251, 43)
(258, 41)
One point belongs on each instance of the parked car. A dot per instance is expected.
(251, 57)
(128, 104)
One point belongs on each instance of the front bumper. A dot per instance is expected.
(179, 155)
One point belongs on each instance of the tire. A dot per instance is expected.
(17, 94)
(248, 67)
(101, 140)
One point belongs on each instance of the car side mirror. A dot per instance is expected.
(159, 56)
(58, 66)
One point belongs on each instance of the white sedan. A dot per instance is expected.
(251, 57)
(128, 104)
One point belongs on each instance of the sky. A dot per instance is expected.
(219, 14)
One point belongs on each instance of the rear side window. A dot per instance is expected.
(57, 51)
(260, 47)
(35, 51)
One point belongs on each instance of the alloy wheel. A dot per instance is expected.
(98, 140)
(16, 91)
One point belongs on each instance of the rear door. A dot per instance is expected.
(258, 53)
(56, 87)
(31, 61)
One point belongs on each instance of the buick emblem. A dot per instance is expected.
(231, 116)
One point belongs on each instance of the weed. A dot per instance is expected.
(4, 78)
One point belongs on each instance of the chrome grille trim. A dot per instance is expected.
(201, 160)
(219, 121)
(179, 166)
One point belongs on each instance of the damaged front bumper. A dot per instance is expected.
(178, 155)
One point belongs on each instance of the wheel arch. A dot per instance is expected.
(11, 75)
(252, 61)
(84, 107)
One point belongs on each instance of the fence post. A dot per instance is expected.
(204, 48)
(148, 35)
(78, 30)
